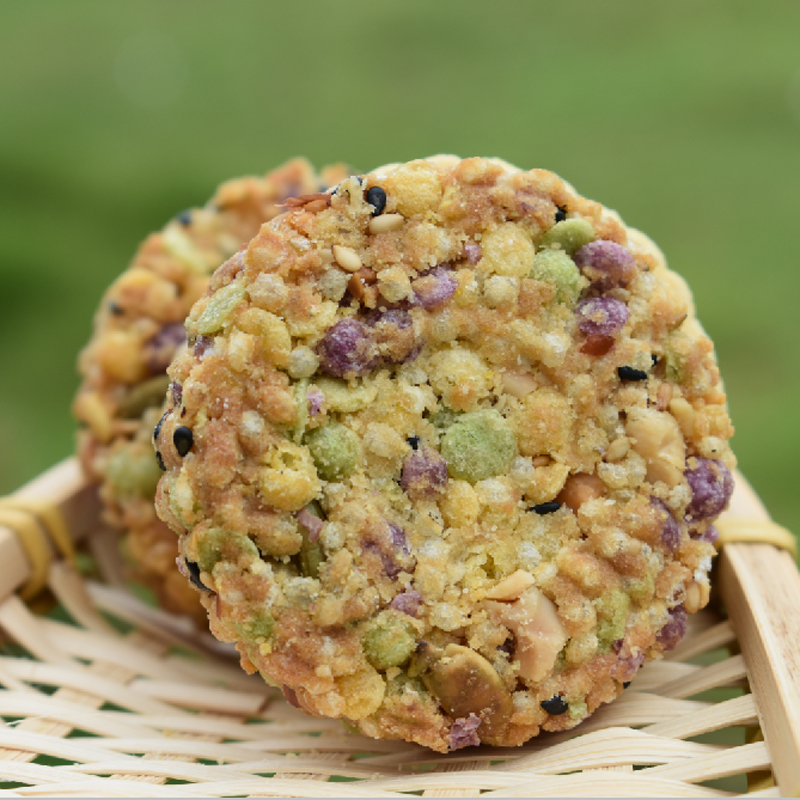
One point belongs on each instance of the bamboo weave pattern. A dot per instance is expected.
(127, 703)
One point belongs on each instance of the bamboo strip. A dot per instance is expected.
(229, 728)
(18, 622)
(113, 648)
(83, 680)
(655, 674)
(597, 784)
(725, 673)
(739, 711)
(609, 747)
(73, 715)
(734, 761)
(760, 587)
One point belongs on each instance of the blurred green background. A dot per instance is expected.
(683, 116)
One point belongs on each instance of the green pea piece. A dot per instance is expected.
(218, 544)
(557, 268)
(335, 450)
(478, 445)
(612, 608)
(569, 235)
(389, 641)
(259, 626)
(145, 395)
(133, 471)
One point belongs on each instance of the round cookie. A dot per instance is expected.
(445, 452)
(137, 330)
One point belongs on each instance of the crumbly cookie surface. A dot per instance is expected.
(137, 330)
(445, 452)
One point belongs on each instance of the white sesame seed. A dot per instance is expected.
(346, 258)
(386, 223)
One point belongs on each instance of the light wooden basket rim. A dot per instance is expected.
(164, 711)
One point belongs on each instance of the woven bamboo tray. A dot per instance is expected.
(106, 696)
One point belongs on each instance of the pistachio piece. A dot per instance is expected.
(311, 553)
(466, 683)
(219, 308)
(143, 396)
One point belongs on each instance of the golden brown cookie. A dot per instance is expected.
(137, 330)
(445, 451)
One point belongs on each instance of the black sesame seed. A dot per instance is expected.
(376, 197)
(413, 441)
(185, 217)
(194, 576)
(161, 465)
(115, 308)
(631, 374)
(183, 438)
(545, 508)
(555, 706)
(159, 424)
(626, 684)
(654, 358)
(561, 213)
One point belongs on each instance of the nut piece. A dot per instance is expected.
(579, 489)
(657, 439)
(346, 258)
(466, 683)
(540, 635)
(511, 587)
(386, 223)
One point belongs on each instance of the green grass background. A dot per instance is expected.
(682, 115)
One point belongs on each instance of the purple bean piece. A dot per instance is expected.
(390, 566)
(159, 349)
(201, 346)
(711, 483)
(315, 400)
(671, 533)
(507, 647)
(391, 546)
(435, 287)
(399, 539)
(311, 523)
(176, 390)
(394, 317)
(671, 634)
(290, 695)
(347, 349)
(626, 667)
(606, 264)
(407, 602)
(424, 474)
(601, 316)
(474, 252)
(711, 534)
(464, 732)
